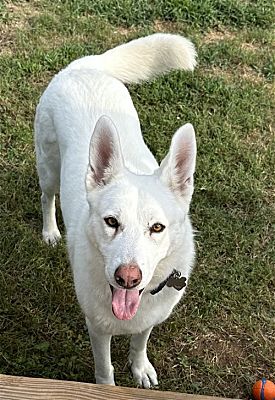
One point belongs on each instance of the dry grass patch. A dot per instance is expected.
(157, 26)
(251, 46)
(18, 20)
(7, 39)
(166, 26)
(221, 350)
(240, 38)
(217, 36)
(250, 74)
(20, 13)
(122, 31)
(257, 140)
(243, 72)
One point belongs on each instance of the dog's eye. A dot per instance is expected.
(112, 222)
(157, 228)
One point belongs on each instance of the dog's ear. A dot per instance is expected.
(105, 156)
(178, 167)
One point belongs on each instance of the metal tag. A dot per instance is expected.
(176, 282)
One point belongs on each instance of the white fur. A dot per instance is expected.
(89, 144)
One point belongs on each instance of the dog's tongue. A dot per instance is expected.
(125, 303)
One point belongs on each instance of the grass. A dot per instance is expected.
(221, 337)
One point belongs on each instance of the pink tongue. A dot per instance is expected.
(125, 303)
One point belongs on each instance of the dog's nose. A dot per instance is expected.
(128, 275)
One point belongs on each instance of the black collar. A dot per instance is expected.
(174, 280)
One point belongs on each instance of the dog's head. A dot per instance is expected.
(136, 220)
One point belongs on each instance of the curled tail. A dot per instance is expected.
(143, 58)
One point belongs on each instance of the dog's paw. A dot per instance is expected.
(52, 237)
(144, 373)
(105, 377)
(105, 381)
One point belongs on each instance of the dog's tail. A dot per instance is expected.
(143, 58)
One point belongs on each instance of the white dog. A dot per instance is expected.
(129, 235)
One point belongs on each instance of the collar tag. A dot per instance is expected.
(174, 280)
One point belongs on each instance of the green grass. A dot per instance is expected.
(221, 337)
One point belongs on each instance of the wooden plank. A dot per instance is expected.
(21, 388)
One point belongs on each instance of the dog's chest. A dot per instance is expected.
(153, 310)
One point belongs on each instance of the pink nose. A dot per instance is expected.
(128, 275)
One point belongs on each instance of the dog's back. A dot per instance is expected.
(77, 97)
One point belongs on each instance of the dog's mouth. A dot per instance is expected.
(125, 302)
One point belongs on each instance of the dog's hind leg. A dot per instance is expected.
(48, 167)
(50, 232)
(143, 371)
(101, 346)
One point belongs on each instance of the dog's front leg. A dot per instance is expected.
(143, 371)
(101, 346)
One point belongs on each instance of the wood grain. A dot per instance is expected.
(21, 388)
